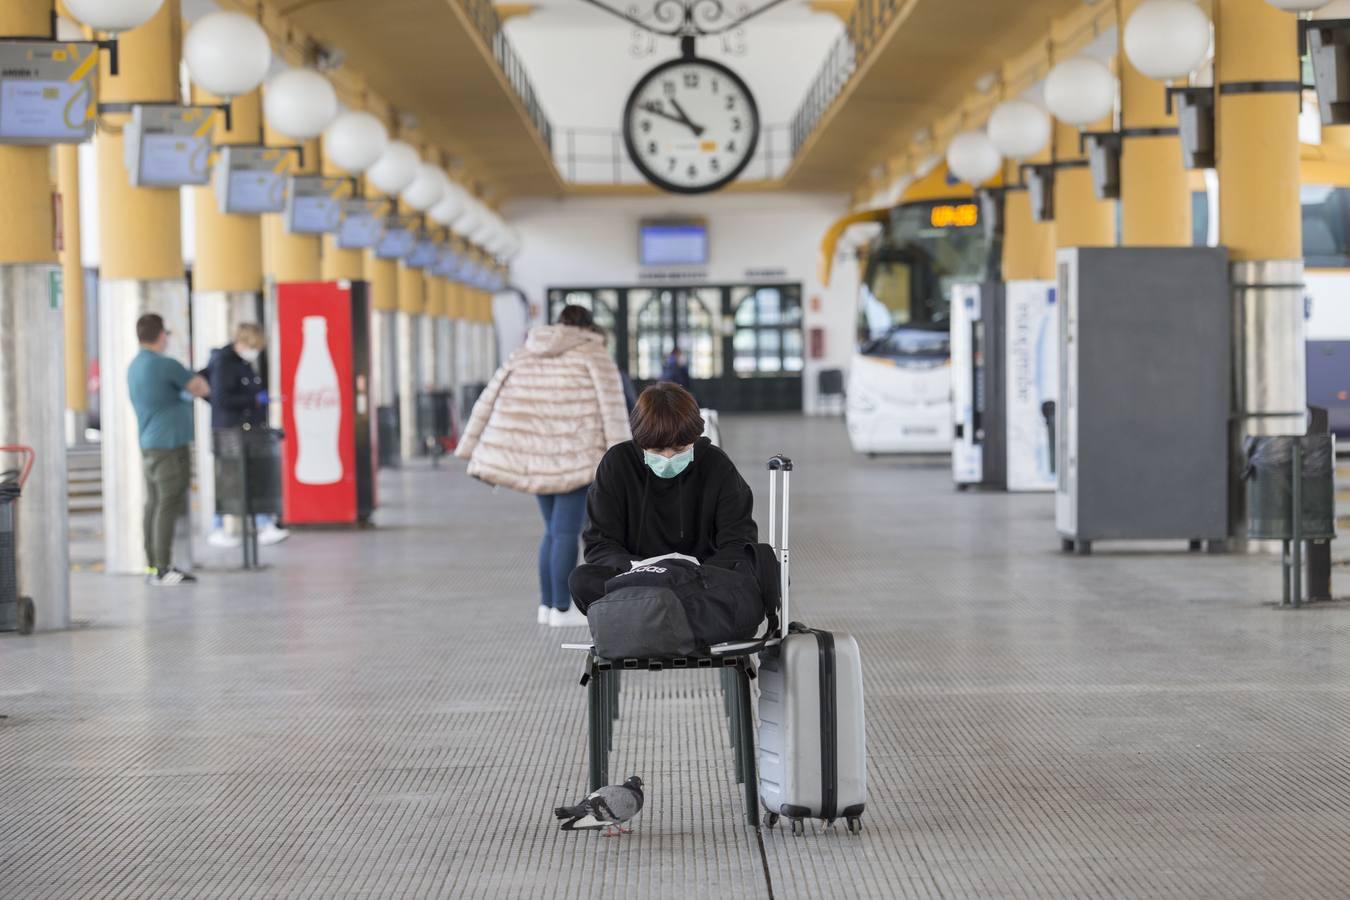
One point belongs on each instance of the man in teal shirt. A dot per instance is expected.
(162, 389)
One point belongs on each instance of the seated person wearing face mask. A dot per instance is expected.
(667, 491)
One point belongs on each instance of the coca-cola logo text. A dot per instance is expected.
(318, 398)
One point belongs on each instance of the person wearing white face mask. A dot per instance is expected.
(238, 376)
(667, 492)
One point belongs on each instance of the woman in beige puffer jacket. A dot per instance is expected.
(541, 427)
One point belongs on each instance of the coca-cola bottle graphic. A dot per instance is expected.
(318, 408)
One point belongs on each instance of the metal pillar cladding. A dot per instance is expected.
(72, 287)
(215, 316)
(1258, 83)
(121, 303)
(405, 328)
(444, 339)
(383, 358)
(426, 352)
(32, 403)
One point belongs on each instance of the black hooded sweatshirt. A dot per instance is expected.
(633, 514)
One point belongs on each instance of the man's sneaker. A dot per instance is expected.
(272, 535)
(220, 538)
(542, 618)
(567, 618)
(173, 578)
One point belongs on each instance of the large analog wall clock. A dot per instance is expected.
(691, 124)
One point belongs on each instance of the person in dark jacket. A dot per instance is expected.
(668, 490)
(239, 400)
(676, 370)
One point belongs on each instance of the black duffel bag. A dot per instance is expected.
(674, 608)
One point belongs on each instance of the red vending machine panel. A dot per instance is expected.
(322, 338)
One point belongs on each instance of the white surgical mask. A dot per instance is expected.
(249, 355)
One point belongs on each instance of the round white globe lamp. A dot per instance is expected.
(467, 223)
(113, 15)
(395, 169)
(1019, 128)
(1336, 9)
(1080, 91)
(1167, 39)
(973, 158)
(427, 187)
(227, 53)
(299, 103)
(451, 206)
(355, 141)
(1297, 6)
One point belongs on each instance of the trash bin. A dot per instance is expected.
(386, 418)
(248, 457)
(435, 421)
(16, 613)
(1269, 477)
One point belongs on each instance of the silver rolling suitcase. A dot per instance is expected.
(812, 745)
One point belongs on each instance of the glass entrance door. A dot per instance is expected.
(742, 343)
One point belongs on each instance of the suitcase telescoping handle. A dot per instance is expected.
(780, 474)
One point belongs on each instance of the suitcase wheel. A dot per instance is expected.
(798, 828)
(771, 820)
(854, 825)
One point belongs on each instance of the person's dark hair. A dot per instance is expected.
(149, 327)
(666, 416)
(576, 316)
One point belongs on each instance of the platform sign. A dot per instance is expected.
(423, 254)
(251, 180)
(398, 239)
(314, 203)
(169, 146)
(361, 224)
(1032, 359)
(447, 262)
(48, 92)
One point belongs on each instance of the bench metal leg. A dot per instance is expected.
(734, 725)
(749, 771)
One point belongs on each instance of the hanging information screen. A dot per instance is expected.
(423, 254)
(251, 180)
(398, 239)
(447, 262)
(47, 92)
(314, 204)
(361, 225)
(169, 146)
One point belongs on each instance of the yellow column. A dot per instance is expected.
(383, 277)
(72, 285)
(141, 270)
(337, 264)
(291, 257)
(1028, 245)
(1257, 133)
(1081, 220)
(1155, 197)
(229, 247)
(139, 227)
(412, 291)
(27, 228)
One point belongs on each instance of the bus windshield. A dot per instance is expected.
(910, 270)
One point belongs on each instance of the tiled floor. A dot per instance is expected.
(378, 715)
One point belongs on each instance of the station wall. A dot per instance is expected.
(591, 242)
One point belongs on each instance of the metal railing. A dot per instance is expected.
(489, 25)
(866, 24)
(598, 156)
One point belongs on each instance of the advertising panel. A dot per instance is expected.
(1032, 334)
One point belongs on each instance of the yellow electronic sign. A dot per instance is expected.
(955, 215)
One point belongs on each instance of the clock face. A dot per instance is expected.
(691, 125)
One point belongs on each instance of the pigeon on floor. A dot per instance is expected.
(606, 808)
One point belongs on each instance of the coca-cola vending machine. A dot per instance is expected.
(328, 458)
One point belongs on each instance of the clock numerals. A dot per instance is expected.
(714, 165)
(691, 79)
(731, 146)
(669, 88)
(693, 171)
(731, 101)
(646, 126)
(716, 85)
(673, 163)
(736, 123)
(651, 148)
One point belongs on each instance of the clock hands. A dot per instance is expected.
(696, 129)
(682, 119)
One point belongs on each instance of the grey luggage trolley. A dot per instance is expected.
(601, 677)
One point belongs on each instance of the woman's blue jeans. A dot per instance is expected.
(563, 515)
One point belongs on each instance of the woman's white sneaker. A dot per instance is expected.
(569, 618)
(543, 617)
